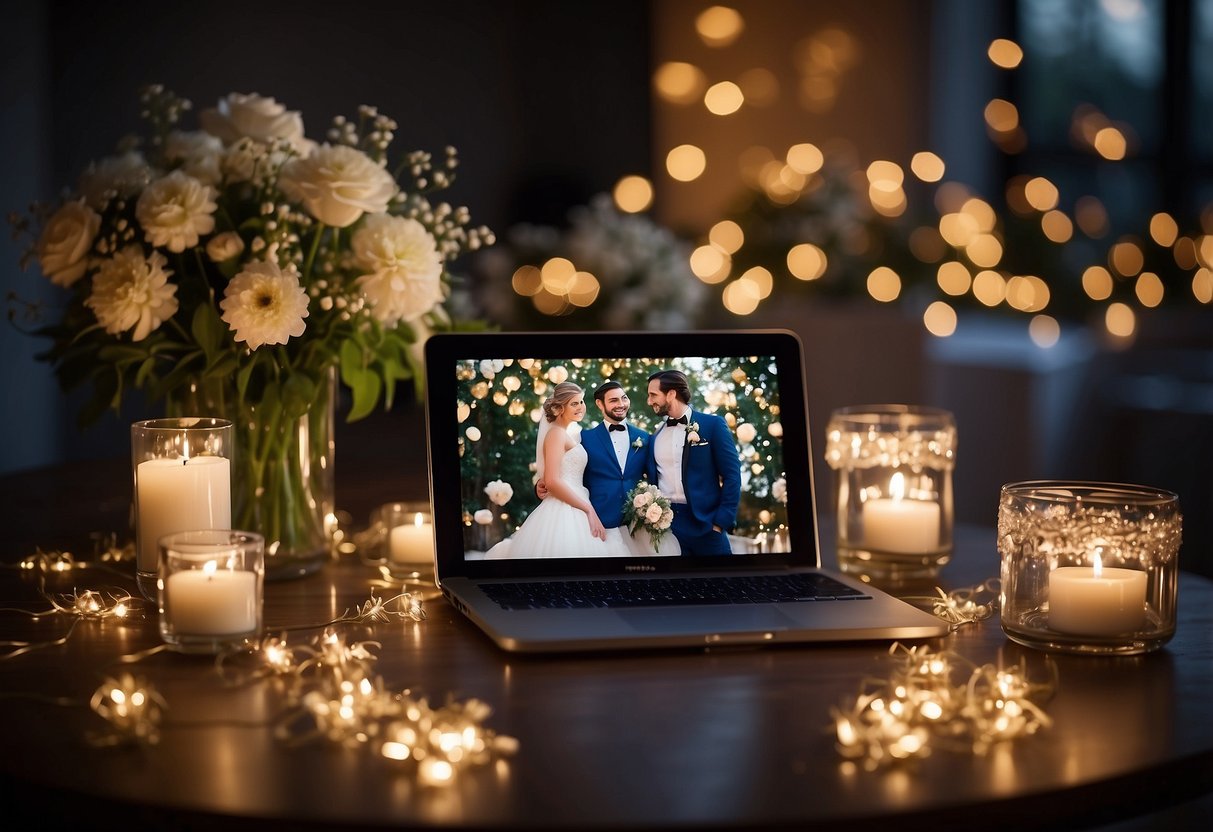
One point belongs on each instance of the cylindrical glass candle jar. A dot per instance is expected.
(1089, 567)
(183, 481)
(893, 489)
(401, 537)
(210, 588)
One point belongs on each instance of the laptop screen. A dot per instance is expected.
(641, 448)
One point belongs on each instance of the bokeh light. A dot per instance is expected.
(679, 83)
(633, 194)
(686, 162)
(927, 166)
(1044, 331)
(727, 236)
(940, 319)
(1005, 53)
(807, 262)
(884, 284)
(723, 98)
(1120, 320)
(719, 25)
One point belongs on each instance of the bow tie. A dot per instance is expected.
(616, 427)
(680, 421)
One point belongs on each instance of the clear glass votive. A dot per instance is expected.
(183, 480)
(401, 538)
(1089, 567)
(210, 588)
(893, 489)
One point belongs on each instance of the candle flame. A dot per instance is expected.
(1098, 565)
(897, 486)
(417, 521)
(209, 568)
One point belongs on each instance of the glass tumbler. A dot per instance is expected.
(1089, 567)
(210, 588)
(893, 489)
(183, 481)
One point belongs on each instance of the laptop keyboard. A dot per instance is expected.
(661, 592)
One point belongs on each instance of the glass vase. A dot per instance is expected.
(282, 469)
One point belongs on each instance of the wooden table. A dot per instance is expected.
(735, 738)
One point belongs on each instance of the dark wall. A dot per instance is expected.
(546, 100)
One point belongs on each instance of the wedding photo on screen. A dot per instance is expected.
(620, 457)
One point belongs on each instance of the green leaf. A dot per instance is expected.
(298, 395)
(221, 365)
(208, 330)
(366, 386)
(145, 370)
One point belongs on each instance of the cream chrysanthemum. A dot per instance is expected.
(404, 279)
(264, 305)
(175, 210)
(131, 291)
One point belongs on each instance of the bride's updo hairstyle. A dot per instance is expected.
(555, 404)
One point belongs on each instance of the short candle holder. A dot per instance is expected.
(401, 539)
(183, 480)
(1089, 567)
(893, 490)
(210, 588)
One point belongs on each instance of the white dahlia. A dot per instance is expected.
(175, 210)
(404, 269)
(131, 291)
(264, 305)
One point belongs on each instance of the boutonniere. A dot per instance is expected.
(693, 433)
(638, 444)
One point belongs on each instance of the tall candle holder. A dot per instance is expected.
(893, 489)
(1089, 567)
(183, 481)
(210, 588)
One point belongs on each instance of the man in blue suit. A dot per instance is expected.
(617, 454)
(694, 462)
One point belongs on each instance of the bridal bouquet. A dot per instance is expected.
(647, 508)
(236, 269)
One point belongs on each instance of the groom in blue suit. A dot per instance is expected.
(617, 454)
(694, 462)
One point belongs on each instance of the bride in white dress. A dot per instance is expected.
(564, 524)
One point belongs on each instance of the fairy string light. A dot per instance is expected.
(919, 707)
(966, 605)
(131, 707)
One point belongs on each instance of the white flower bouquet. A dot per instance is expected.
(645, 507)
(232, 270)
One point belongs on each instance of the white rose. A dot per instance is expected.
(114, 177)
(779, 490)
(746, 432)
(198, 152)
(640, 500)
(692, 437)
(483, 517)
(486, 369)
(338, 184)
(404, 269)
(653, 513)
(224, 247)
(256, 117)
(667, 519)
(499, 492)
(175, 211)
(65, 241)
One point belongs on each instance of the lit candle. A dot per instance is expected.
(412, 542)
(899, 525)
(1096, 601)
(211, 601)
(175, 495)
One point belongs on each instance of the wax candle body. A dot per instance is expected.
(1106, 602)
(901, 526)
(211, 603)
(175, 495)
(412, 542)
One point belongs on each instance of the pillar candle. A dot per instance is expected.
(176, 495)
(899, 525)
(1096, 601)
(211, 601)
(412, 542)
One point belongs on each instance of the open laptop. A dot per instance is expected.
(540, 581)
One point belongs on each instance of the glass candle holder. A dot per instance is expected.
(210, 588)
(1089, 567)
(401, 538)
(183, 481)
(893, 489)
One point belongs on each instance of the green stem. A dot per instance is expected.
(311, 255)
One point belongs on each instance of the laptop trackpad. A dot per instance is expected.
(707, 620)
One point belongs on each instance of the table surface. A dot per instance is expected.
(733, 738)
